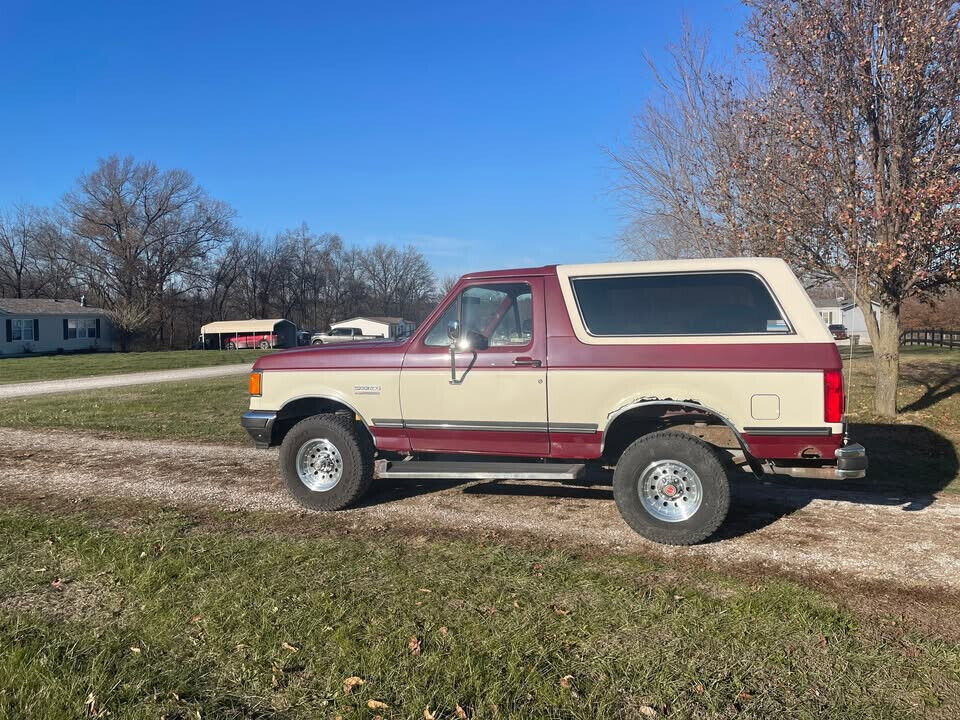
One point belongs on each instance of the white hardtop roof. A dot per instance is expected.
(757, 264)
(235, 326)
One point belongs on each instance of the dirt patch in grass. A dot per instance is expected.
(66, 600)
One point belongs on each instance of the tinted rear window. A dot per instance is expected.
(681, 304)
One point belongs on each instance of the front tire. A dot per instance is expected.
(327, 462)
(231, 346)
(264, 345)
(672, 488)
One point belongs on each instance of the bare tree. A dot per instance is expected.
(446, 285)
(677, 170)
(846, 161)
(141, 232)
(398, 280)
(19, 246)
(853, 153)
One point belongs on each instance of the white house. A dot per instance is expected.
(387, 327)
(840, 311)
(30, 325)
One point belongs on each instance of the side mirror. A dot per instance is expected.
(453, 331)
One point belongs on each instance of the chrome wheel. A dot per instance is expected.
(319, 464)
(670, 490)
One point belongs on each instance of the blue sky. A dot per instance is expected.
(475, 131)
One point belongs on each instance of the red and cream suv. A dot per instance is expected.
(672, 373)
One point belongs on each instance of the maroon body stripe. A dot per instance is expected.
(576, 446)
(393, 439)
(782, 447)
(484, 442)
(568, 353)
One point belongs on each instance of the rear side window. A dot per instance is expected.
(723, 303)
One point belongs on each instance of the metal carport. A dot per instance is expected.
(225, 330)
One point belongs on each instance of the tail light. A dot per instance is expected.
(832, 396)
(256, 379)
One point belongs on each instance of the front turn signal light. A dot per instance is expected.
(256, 379)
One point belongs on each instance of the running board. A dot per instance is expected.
(457, 470)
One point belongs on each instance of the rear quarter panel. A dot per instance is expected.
(591, 378)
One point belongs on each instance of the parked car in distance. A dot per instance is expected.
(264, 341)
(303, 337)
(677, 375)
(341, 334)
(839, 332)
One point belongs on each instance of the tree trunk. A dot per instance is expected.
(886, 357)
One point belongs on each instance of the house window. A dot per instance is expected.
(81, 328)
(23, 330)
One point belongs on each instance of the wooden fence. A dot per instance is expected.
(936, 338)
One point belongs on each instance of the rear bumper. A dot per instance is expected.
(259, 426)
(851, 464)
(851, 461)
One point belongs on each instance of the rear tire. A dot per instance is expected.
(231, 346)
(264, 345)
(672, 488)
(317, 342)
(341, 469)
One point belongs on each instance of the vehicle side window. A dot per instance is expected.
(501, 312)
(722, 303)
(516, 325)
(437, 337)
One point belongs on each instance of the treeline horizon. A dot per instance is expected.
(163, 257)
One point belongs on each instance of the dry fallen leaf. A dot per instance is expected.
(425, 590)
(566, 681)
(377, 705)
(350, 683)
(699, 688)
(744, 696)
(134, 649)
(560, 610)
(91, 705)
(291, 648)
(414, 644)
(444, 630)
(648, 711)
(57, 584)
(195, 619)
(427, 715)
(461, 713)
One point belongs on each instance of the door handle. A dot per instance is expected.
(527, 362)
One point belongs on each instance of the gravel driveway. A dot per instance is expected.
(98, 382)
(799, 527)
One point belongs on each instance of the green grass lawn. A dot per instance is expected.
(163, 615)
(917, 451)
(59, 367)
(206, 410)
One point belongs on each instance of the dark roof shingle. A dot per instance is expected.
(42, 306)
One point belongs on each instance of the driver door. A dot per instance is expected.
(498, 401)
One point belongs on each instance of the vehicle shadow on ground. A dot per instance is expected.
(909, 465)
